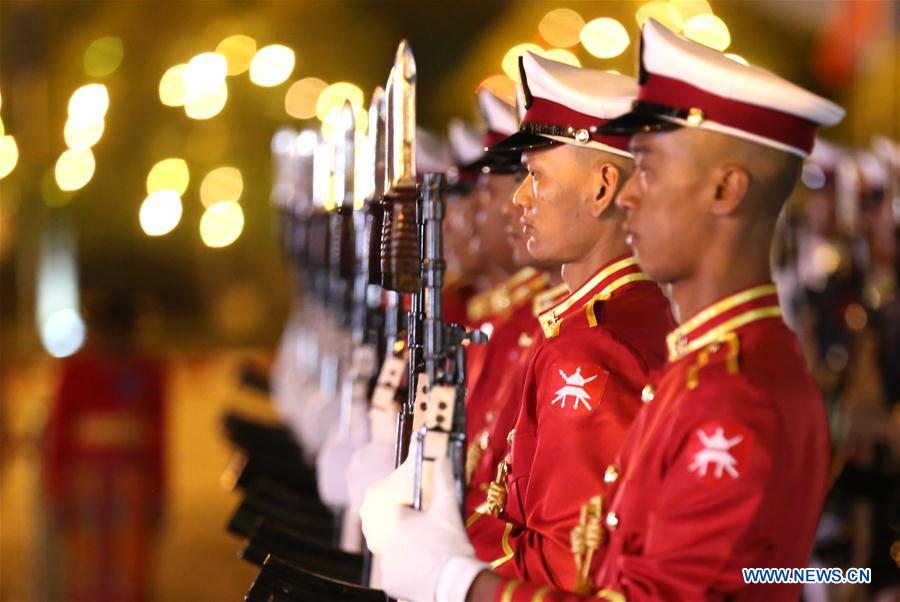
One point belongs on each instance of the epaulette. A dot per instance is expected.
(726, 349)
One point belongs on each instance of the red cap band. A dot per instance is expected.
(772, 124)
(547, 112)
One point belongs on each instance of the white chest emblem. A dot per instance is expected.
(574, 388)
(715, 452)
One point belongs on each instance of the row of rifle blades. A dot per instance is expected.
(391, 141)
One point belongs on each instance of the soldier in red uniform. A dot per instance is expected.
(727, 466)
(103, 464)
(582, 385)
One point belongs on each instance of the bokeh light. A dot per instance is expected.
(604, 38)
(208, 105)
(664, 12)
(708, 30)
(271, 65)
(9, 155)
(334, 96)
(204, 75)
(160, 212)
(169, 174)
(238, 51)
(510, 62)
(221, 184)
(103, 56)
(563, 56)
(221, 224)
(500, 86)
(63, 332)
(301, 98)
(691, 8)
(561, 27)
(82, 135)
(171, 86)
(89, 103)
(74, 169)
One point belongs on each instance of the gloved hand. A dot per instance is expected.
(382, 501)
(369, 464)
(424, 556)
(335, 455)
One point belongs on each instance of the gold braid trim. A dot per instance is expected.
(586, 538)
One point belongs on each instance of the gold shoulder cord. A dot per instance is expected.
(587, 537)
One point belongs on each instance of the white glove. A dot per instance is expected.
(426, 556)
(335, 456)
(382, 501)
(369, 464)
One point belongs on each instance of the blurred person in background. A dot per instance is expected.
(103, 460)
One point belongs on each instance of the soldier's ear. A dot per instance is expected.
(732, 183)
(606, 183)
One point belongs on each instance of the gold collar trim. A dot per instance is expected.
(718, 333)
(551, 319)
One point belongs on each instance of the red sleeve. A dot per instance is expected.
(513, 590)
(708, 507)
(581, 414)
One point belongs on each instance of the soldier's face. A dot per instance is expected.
(494, 190)
(667, 225)
(555, 202)
(513, 229)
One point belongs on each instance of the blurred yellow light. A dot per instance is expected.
(160, 212)
(74, 169)
(561, 27)
(604, 38)
(301, 98)
(500, 86)
(271, 65)
(738, 58)
(856, 317)
(221, 184)
(89, 103)
(563, 56)
(664, 12)
(221, 224)
(510, 62)
(82, 135)
(691, 8)
(334, 96)
(2, 129)
(208, 105)
(103, 56)
(171, 86)
(169, 174)
(9, 155)
(238, 50)
(708, 30)
(204, 75)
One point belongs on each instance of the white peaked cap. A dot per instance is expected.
(568, 104)
(466, 142)
(499, 116)
(684, 83)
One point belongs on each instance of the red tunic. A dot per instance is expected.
(581, 392)
(487, 445)
(725, 469)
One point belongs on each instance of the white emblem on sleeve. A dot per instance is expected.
(574, 388)
(715, 452)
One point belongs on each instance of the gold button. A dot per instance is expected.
(509, 437)
(611, 474)
(648, 393)
(612, 521)
(582, 136)
(714, 348)
(695, 117)
(525, 340)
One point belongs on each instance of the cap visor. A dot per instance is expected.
(637, 122)
(520, 141)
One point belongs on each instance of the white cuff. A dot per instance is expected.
(456, 578)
